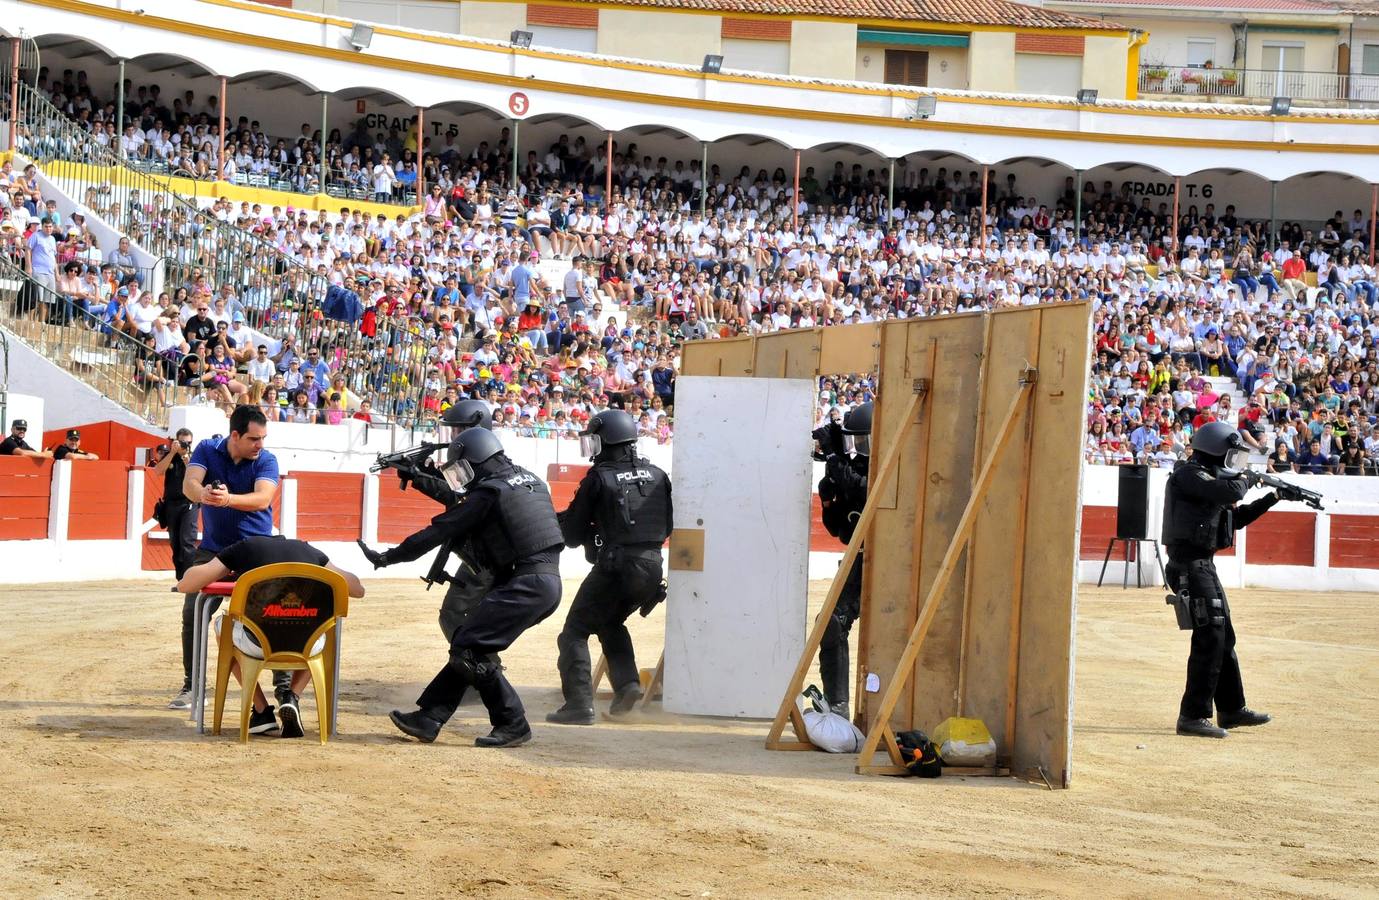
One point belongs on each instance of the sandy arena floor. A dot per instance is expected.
(108, 794)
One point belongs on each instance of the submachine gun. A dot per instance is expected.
(407, 462)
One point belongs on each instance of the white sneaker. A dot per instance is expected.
(182, 701)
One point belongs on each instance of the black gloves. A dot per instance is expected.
(1289, 493)
(379, 560)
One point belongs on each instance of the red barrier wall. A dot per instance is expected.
(330, 505)
(1353, 542)
(25, 486)
(157, 554)
(111, 441)
(401, 513)
(100, 500)
(1283, 539)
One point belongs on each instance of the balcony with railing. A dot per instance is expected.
(1225, 85)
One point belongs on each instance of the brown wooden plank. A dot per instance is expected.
(787, 354)
(849, 349)
(997, 537)
(726, 357)
(1043, 731)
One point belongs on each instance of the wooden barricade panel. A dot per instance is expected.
(100, 500)
(1286, 538)
(25, 497)
(401, 513)
(330, 506)
(849, 349)
(787, 354)
(731, 357)
(157, 552)
(1048, 607)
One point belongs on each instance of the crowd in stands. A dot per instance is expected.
(1288, 316)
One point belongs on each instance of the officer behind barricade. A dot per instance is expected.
(505, 513)
(622, 512)
(843, 494)
(470, 581)
(1201, 516)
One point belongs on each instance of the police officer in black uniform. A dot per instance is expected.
(1202, 512)
(622, 510)
(505, 513)
(843, 494)
(470, 582)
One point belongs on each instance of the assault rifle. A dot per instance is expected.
(405, 461)
(1286, 490)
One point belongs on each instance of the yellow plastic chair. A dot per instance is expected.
(287, 607)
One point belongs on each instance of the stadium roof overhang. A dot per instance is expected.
(312, 53)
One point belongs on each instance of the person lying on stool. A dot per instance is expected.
(241, 557)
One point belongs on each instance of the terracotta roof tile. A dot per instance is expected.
(957, 12)
(1323, 7)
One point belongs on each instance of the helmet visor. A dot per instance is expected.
(458, 474)
(1238, 459)
(590, 444)
(857, 443)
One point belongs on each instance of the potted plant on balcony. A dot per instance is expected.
(1228, 81)
(1154, 78)
(1189, 79)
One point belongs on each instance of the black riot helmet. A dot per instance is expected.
(467, 453)
(468, 414)
(1218, 443)
(610, 428)
(857, 424)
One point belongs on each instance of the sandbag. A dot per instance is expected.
(965, 742)
(832, 733)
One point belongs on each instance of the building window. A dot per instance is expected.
(1369, 60)
(1201, 51)
(909, 67)
(1282, 58)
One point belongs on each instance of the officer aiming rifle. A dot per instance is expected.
(1202, 512)
(414, 467)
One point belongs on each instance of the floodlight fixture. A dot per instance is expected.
(361, 36)
(1280, 106)
(925, 107)
(713, 64)
(1087, 96)
(520, 39)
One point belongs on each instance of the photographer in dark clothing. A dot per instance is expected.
(843, 495)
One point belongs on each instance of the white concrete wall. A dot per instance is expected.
(823, 49)
(28, 407)
(991, 61)
(653, 34)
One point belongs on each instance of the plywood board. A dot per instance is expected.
(742, 471)
(1043, 736)
(849, 349)
(787, 354)
(687, 549)
(729, 358)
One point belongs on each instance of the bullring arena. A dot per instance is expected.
(1040, 249)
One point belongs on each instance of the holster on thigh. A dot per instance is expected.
(475, 668)
(1198, 600)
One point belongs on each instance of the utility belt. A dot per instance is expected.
(535, 569)
(1193, 608)
(612, 557)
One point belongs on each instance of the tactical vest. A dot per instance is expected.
(633, 505)
(844, 486)
(1187, 522)
(526, 522)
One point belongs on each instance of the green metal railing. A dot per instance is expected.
(81, 344)
(280, 296)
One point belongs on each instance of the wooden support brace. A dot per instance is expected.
(653, 687)
(788, 710)
(905, 667)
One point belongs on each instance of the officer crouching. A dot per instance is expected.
(1201, 516)
(622, 510)
(505, 514)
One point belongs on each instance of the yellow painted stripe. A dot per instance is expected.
(406, 65)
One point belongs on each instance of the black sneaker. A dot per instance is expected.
(263, 722)
(624, 699)
(572, 715)
(1242, 717)
(506, 736)
(291, 715)
(417, 723)
(1200, 728)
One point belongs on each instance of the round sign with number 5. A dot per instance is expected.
(518, 103)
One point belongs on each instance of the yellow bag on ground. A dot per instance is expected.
(965, 742)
